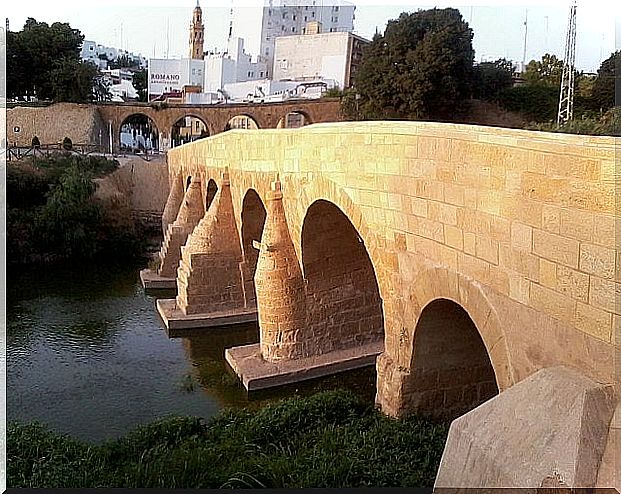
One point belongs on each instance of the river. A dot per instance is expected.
(88, 356)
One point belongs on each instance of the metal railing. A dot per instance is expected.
(18, 153)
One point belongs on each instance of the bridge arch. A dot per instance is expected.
(210, 193)
(451, 371)
(241, 121)
(188, 128)
(294, 119)
(138, 132)
(253, 216)
(344, 307)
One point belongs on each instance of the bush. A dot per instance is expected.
(330, 439)
(536, 102)
(53, 215)
(608, 124)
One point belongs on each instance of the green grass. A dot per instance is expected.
(331, 439)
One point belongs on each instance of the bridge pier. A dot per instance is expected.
(210, 283)
(176, 235)
(288, 351)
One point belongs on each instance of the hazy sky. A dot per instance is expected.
(160, 27)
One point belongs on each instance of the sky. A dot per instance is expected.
(159, 28)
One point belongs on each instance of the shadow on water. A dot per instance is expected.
(88, 356)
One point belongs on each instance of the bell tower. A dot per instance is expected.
(197, 33)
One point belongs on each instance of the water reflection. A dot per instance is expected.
(87, 355)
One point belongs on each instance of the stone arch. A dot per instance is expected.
(35, 142)
(285, 123)
(321, 188)
(344, 307)
(451, 372)
(210, 193)
(441, 283)
(198, 129)
(138, 132)
(241, 121)
(253, 216)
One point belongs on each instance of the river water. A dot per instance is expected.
(88, 356)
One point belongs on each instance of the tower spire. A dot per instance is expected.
(197, 33)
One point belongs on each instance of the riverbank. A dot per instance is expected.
(330, 439)
(54, 213)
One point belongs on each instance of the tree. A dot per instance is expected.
(491, 78)
(604, 84)
(124, 62)
(140, 84)
(44, 60)
(76, 82)
(547, 72)
(420, 68)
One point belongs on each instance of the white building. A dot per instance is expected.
(172, 75)
(260, 25)
(101, 55)
(330, 55)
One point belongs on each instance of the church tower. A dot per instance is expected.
(197, 32)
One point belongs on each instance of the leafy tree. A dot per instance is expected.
(124, 62)
(604, 84)
(44, 60)
(140, 84)
(547, 72)
(537, 102)
(419, 68)
(67, 222)
(491, 78)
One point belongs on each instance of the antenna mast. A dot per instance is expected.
(566, 97)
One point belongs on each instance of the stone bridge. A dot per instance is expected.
(91, 123)
(471, 259)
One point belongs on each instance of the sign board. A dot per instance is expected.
(165, 75)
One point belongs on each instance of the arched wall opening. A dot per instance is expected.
(187, 129)
(451, 371)
(293, 120)
(344, 307)
(138, 134)
(253, 220)
(212, 189)
(241, 122)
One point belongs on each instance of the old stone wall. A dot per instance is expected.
(81, 123)
(516, 227)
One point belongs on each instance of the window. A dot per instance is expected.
(305, 18)
(284, 15)
(312, 14)
(293, 29)
(336, 8)
(295, 17)
(261, 73)
(249, 73)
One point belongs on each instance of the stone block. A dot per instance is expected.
(597, 260)
(553, 424)
(556, 248)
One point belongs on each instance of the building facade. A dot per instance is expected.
(331, 56)
(260, 26)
